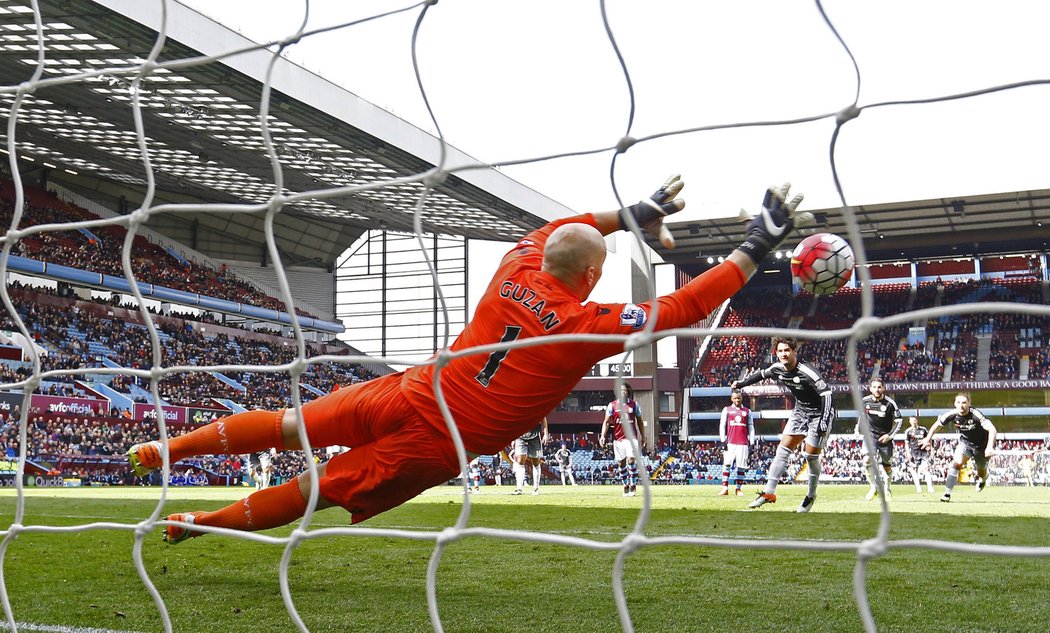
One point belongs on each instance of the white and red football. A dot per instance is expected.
(822, 263)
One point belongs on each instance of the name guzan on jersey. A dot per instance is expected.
(525, 296)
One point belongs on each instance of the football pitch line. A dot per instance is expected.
(59, 628)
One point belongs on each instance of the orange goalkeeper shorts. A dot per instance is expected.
(394, 453)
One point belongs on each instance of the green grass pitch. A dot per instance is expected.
(87, 581)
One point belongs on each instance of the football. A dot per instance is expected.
(822, 263)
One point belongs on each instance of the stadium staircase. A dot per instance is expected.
(229, 381)
(230, 404)
(140, 394)
(117, 400)
(984, 352)
(312, 389)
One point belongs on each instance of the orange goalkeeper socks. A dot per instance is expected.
(262, 510)
(245, 432)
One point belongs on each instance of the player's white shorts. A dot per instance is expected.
(736, 454)
(529, 448)
(622, 449)
(810, 424)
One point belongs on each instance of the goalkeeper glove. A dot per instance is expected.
(649, 213)
(768, 229)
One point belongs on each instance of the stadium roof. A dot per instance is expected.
(202, 127)
(962, 226)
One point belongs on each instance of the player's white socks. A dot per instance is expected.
(915, 478)
(929, 481)
(813, 461)
(777, 468)
(952, 479)
(867, 475)
(519, 476)
(536, 477)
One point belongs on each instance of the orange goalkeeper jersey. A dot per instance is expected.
(495, 396)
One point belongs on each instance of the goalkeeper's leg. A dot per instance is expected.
(245, 432)
(329, 420)
(261, 510)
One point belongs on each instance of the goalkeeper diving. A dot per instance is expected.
(540, 289)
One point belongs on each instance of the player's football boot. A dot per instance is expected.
(174, 534)
(724, 492)
(626, 491)
(980, 484)
(145, 458)
(871, 493)
(946, 498)
(806, 505)
(762, 499)
(739, 492)
(634, 490)
(517, 491)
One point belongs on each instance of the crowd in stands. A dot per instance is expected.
(77, 335)
(69, 328)
(99, 250)
(948, 339)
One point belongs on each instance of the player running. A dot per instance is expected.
(809, 424)
(976, 441)
(540, 289)
(920, 458)
(884, 420)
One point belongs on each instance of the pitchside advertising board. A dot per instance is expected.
(33, 481)
(176, 415)
(54, 405)
(77, 407)
(7, 480)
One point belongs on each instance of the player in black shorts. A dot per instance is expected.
(976, 441)
(809, 424)
(884, 420)
(919, 458)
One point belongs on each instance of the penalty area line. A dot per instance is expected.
(59, 628)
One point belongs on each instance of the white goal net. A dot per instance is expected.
(764, 116)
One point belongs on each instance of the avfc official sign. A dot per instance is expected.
(57, 405)
(149, 412)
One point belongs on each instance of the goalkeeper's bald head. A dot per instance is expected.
(575, 254)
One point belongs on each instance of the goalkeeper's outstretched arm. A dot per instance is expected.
(764, 232)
